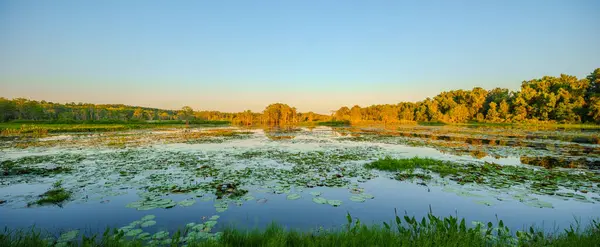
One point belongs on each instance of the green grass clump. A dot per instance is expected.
(334, 123)
(56, 195)
(443, 168)
(405, 231)
(540, 181)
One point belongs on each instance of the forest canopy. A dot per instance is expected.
(562, 99)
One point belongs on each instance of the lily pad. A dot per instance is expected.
(319, 200)
(148, 223)
(148, 217)
(68, 236)
(538, 204)
(315, 193)
(126, 228)
(293, 196)
(198, 227)
(160, 235)
(335, 203)
(144, 236)
(187, 203)
(367, 196)
(146, 207)
(357, 199)
(214, 217)
(135, 223)
(134, 232)
(210, 223)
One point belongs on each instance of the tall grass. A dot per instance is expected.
(401, 231)
(334, 123)
(443, 168)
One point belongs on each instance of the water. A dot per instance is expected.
(111, 169)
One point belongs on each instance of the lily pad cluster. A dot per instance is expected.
(150, 203)
(135, 228)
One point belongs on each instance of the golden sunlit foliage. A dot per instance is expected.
(563, 99)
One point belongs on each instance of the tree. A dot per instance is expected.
(343, 114)
(355, 114)
(492, 113)
(595, 109)
(279, 114)
(390, 114)
(138, 114)
(459, 114)
(504, 110)
(186, 113)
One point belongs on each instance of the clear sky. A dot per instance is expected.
(315, 55)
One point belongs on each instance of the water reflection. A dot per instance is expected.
(547, 144)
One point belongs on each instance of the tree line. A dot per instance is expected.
(563, 99)
(21, 109)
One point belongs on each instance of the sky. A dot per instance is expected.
(314, 55)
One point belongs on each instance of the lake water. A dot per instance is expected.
(253, 177)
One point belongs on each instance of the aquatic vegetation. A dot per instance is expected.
(334, 123)
(67, 237)
(319, 200)
(294, 196)
(561, 148)
(148, 223)
(357, 199)
(149, 203)
(187, 202)
(56, 195)
(335, 203)
(539, 181)
(205, 168)
(315, 193)
(401, 231)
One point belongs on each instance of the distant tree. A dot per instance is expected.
(138, 114)
(186, 113)
(595, 109)
(342, 114)
(355, 114)
(389, 114)
(492, 114)
(279, 114)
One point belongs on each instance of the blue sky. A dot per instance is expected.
(315, 55)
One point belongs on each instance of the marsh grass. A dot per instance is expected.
(443, 168)
(401, 231)
(334, 123)
(9, 168)
(56, 195)
(41, 128)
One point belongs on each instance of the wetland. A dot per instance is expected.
(153, 183)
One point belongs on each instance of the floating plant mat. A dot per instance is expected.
(494, 177)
